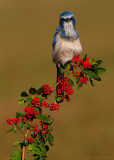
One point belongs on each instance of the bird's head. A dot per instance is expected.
(66, 20)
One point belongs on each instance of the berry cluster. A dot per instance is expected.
(30, 140)
(16, 120)
(85, 63)
(36, 130)
(36, 102)
(44, 126)
(30, 112)
(64, 86)
(54, 107)
(46, 89)
(81, 79)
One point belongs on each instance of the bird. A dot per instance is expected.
(66, 42)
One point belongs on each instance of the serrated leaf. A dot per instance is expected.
(91, 74)
(32, 90)
(70, 82)
(24, 94)
(50, 139)
(16, 155)
(21, 101)
(43, 118)
(19, 114)
(40, 90)
(100, 70)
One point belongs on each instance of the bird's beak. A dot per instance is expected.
(67, 19)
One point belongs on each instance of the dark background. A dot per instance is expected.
(84, 128)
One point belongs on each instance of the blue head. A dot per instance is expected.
(67, 25)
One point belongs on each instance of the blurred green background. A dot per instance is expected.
(84, 128)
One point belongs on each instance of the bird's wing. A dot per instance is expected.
(55, 35)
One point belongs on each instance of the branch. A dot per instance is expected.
(64, 77)
(24, 144)
(19, 129)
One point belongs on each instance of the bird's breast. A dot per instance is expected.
(65, 50)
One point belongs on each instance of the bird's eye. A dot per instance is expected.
(62, 19)
(71, 18)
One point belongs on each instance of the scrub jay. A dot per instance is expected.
(66, 43)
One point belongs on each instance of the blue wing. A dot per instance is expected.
(54, 41)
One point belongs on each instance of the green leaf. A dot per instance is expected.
(17, 144)
(24, 94)
(47, 148)
(27, 125)
(15, 130)
(16, 155)
(40, 110)
(92, 62)
(28, 100)
(91, 74)
(43, 149)
(80, 85)
(50, 139)
(100, 70)
(22, 126)
(40, 90)
(32, 90)
(19, 114)
(40, 98)
(43, 118)
(84, 59)
(35, 157)
(10, 130)
(62, 69)
(98, 63)
(36, 151)
(50, 128)
(67, 65)
(71, 83)
(91, 81)
(31, 147)
(21, 101)
(59, 99)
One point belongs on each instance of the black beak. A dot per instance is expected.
(67, 19)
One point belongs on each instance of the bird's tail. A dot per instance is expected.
(60, 76)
